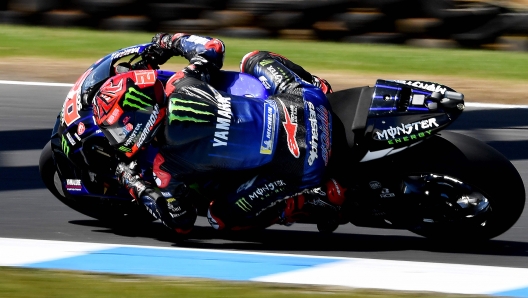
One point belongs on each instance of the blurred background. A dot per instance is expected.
(492, 24)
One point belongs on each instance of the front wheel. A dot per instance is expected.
(111, 214)
(466, 189)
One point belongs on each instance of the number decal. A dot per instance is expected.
(145, 78)
(70, 108)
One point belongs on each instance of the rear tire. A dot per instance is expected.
(481, 167)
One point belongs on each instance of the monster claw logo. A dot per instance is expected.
(65, 146)
(135, 99)
(180, 105)
(243, 204)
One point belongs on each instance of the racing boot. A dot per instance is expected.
(178, 215)
(323, 204)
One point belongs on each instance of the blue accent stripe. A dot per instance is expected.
(514, 293)
(389, 87)
(183, 263)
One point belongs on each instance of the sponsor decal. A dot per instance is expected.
(266, 62)
(315, 134)
(268, 132)
(166, 194)
(128, 128)
(65, 146)
(275, 73)
(265, 82)
(385, 193)
(72, 142)
(374, 185)
(81, 128)
(145, 78)
(425, 86)
(126, 119)
(325, 119)
(223, 121)
(72, 103)
(198, 39)
(148, 126)
(291, 130)
(136, 99)
(125, 52)
(192, 107)
(406, 129)
(133, 135)
(412, 137)
(267, 190)
(116, 113)
(261, 193)
(243, 204)
(125, 149)
(77, 136)
(247, 184)
(73, 184)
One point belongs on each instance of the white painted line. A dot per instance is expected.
(407, 276)
(469, 104)
(35, 83)
(494, 105)
(17, 252)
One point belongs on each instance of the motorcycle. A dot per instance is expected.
(405, 171)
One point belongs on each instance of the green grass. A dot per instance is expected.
(313, 55)
(22, 283)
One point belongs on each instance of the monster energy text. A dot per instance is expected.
(406, 129)
(412, 137)
(133, 135)
(136, 99)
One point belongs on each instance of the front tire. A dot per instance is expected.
(110, 214)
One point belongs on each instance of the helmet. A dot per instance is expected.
(129, 108)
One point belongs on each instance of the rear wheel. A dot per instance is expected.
(467, 190)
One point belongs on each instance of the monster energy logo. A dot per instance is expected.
(125, 149)
(243, 204)
(65, 146)
(266, 62)
(136, 99)
(180, 105)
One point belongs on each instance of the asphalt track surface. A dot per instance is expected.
(28, 210)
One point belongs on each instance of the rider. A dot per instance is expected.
(207, 132)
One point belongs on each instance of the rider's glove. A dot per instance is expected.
(129, 178)
(168, 42)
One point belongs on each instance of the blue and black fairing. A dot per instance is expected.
(394, 115)
(404, 113)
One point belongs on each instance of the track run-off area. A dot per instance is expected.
(37, 231)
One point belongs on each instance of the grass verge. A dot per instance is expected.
(23, 283)
(16, 41)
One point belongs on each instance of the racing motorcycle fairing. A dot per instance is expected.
(394, 115)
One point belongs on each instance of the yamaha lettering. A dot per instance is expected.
(405, 129)
(125, 52)
(223, 121)
(425, 86)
